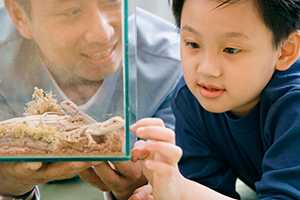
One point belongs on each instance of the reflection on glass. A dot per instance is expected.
(63, 81)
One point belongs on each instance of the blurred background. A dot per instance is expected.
(158, 7)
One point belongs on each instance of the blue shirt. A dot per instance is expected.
(261, 148)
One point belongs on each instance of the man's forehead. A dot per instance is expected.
(57, 1)
(74, 1)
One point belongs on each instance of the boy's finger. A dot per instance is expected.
(159, 171)
(146, 189)
(139, 154)
(147, 122)
(156, 133)
(142, 193)
(139, 151)
(166, 152)
(139, 196)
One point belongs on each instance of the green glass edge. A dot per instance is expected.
(127, 93)
(127, 155)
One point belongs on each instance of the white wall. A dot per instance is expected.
(158, 7)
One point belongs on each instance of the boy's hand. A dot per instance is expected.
(143, 193)
(160, 156)
(19, 178)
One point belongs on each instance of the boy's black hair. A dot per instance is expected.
(282, 17)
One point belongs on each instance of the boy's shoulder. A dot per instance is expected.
(183, 97)
(283, 83)
(181, 88)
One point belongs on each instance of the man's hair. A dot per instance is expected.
(26, 5)
(282, 17)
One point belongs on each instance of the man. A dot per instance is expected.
(73, 48)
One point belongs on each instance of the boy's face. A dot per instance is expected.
(227, 53)
(79, 39)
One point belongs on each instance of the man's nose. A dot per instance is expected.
(99, 29)
(209, 66)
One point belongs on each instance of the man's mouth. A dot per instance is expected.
(100, 57)
(210, 91)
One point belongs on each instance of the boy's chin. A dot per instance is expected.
(213, 108)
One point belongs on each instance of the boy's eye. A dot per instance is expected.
(192, 45)
(230, 50)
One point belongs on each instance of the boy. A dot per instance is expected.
(238, 111)
(73, 48)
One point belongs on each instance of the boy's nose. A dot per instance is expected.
(209, 66)
(99, 29)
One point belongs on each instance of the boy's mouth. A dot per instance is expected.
(210, 91)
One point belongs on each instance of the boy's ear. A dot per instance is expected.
(288, 52)
(19, 17)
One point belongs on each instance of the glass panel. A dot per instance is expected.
(68, 80)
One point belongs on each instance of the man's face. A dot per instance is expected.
(227, 53)
(78, 39)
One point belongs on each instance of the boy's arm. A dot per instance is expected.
(200, 161)
(281, 162)
(160, 156)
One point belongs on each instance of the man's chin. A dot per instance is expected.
(99, 76)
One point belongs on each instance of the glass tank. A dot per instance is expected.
(68, 80)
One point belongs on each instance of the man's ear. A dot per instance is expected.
(19, 17)
(288, 51)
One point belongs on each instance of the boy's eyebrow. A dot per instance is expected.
(190, 29)
(236, 35)
(226, 35)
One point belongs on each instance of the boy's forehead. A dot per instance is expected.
(225, 22)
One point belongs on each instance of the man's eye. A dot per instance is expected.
(72, 12)
(110, 3)
(230, 50)
(192, 45)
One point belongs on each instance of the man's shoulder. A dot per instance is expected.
(10, 43)
(157, 60)
(156, 36)
(8, 33)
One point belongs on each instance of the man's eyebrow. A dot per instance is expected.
(63, 1)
